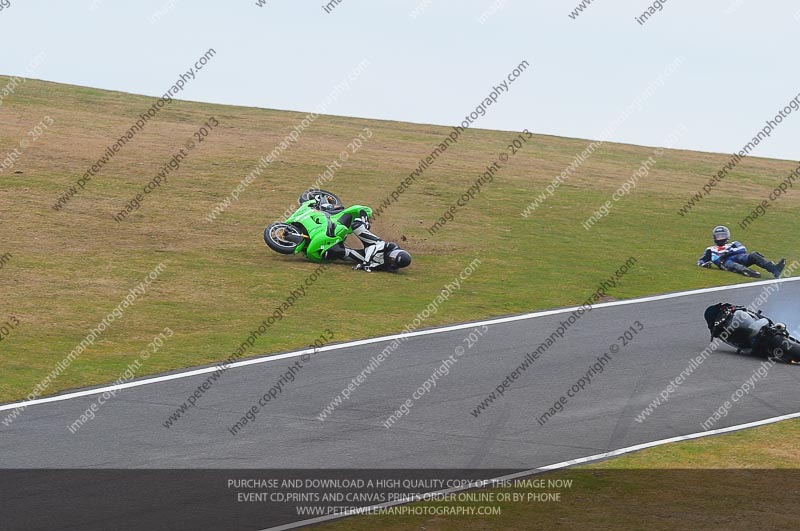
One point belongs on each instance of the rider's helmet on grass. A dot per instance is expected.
(397, 258)
(721, 235)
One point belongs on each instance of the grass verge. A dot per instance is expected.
(69, 268)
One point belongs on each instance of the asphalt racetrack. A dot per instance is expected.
(440, 429)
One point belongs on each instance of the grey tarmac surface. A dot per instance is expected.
(439, 431)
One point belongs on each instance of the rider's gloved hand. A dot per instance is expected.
(362, 267)
(707, 265)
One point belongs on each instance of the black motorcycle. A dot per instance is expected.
(752, 333)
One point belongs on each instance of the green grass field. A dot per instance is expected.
(64, 271)
(70, 268)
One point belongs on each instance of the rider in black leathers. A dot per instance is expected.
(377, 255)
(748, 331)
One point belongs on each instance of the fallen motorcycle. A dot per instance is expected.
(321, 223)
(752, 333)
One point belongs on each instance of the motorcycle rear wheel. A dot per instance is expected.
(790, 350)
(317, 194)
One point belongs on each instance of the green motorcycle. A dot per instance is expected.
(321, 222)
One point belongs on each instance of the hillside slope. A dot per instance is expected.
(66, 267)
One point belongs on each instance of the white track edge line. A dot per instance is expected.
(339, 346)
(547, 468)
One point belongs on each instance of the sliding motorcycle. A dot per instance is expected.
(752, 333)
(321, 222)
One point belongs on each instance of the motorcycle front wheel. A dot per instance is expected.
(283, 238)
